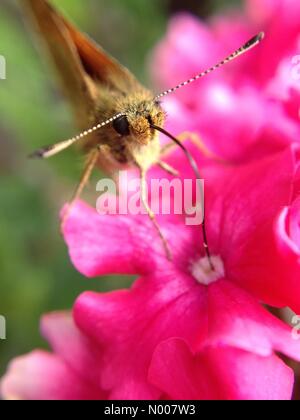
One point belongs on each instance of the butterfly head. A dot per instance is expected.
(138, 114)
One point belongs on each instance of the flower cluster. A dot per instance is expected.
(259, 94)
(183, 330)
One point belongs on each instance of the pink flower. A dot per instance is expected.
(65, 375)
(183, 331)
(250, 108)
(281, 20)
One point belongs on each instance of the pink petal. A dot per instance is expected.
(93, 247)
(288, 243)
(114, 244)
(79, 353)
(128, 325)
(222, 373)
(188, 48)
(242, 207)
(272, 14)
(233, 110)
(43, 376)
(261, 10)
(280, 20)
(238, 124)
(237, 320)
(294, 225)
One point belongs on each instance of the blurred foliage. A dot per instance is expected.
(36, 275)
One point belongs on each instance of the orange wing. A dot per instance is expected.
(82, 65)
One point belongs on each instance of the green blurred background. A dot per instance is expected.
(36, 275)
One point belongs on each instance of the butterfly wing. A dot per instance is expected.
(100, 66)
(82, 65)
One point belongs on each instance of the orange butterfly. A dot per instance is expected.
(125, 117)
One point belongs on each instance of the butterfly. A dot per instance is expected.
(120, 119)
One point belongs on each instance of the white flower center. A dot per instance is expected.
(203, 272)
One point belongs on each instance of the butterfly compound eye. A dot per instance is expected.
(121, 125)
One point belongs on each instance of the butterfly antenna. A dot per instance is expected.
(253, 42)
(198, 177)
(51, 150)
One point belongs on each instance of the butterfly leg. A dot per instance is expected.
(90, 164)
(187, 135)
(168, 168)
(150, 213)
